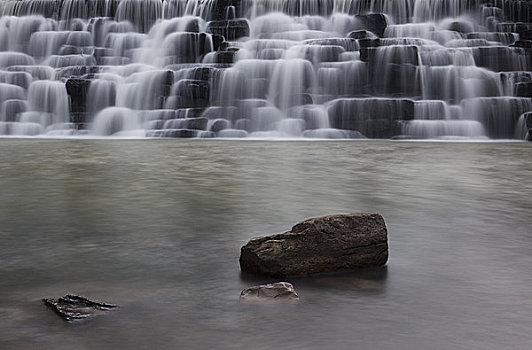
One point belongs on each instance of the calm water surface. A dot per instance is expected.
(156, 227)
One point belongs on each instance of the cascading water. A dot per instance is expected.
(266, 68)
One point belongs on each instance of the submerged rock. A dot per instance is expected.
(325, 244)
(76, 308)
(279, 292)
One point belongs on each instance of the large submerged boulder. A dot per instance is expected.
(319, 245)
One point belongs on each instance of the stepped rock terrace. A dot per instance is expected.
(266, 68)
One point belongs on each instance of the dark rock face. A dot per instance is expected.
(188, 47)
(279, 292)
(219, 9)
(197, 123)
(220, 124)
(193, 26)
(523, 89)
(526, 35)
(361, 34)
(528, 120)
(379, 129)
(217, 41)
(230, 29)
(461, 27)
(528, 126)
(325, 244)
(224, 57)
(78, 89)
(374, 22)
(12, 108)
(333, 134)
(362, 114)
(76, 308)
(189, 93)
(175, 133)
(523, 43)
(500, 58)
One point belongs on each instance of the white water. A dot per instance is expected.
(287, 68)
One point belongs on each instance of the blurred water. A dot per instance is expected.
(156, 227)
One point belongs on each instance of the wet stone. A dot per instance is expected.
(523, 89)
(206, 135)
(76, 308)
(526, 35)
(528, 120)
(461, 27)
(180, 133)
(319, 245)
(197, 123)
(219, 8)
(230, 29)
(220, 124)
(193, 26)
(361, 34)
(379, 128)
(217, 41)
(225, 57)
(78, 90)
(527, 44)
(374, 22)
(12, 108)
(279, 292)
(331, 133)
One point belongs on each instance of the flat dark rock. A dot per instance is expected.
(279, 292)
(75, 308)
(319, 245)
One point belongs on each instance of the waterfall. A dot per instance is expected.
(404, 69)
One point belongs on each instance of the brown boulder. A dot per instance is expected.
(318, 245)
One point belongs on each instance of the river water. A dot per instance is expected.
(156, 227)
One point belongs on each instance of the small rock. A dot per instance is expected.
(76, 308)
(279, 292)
